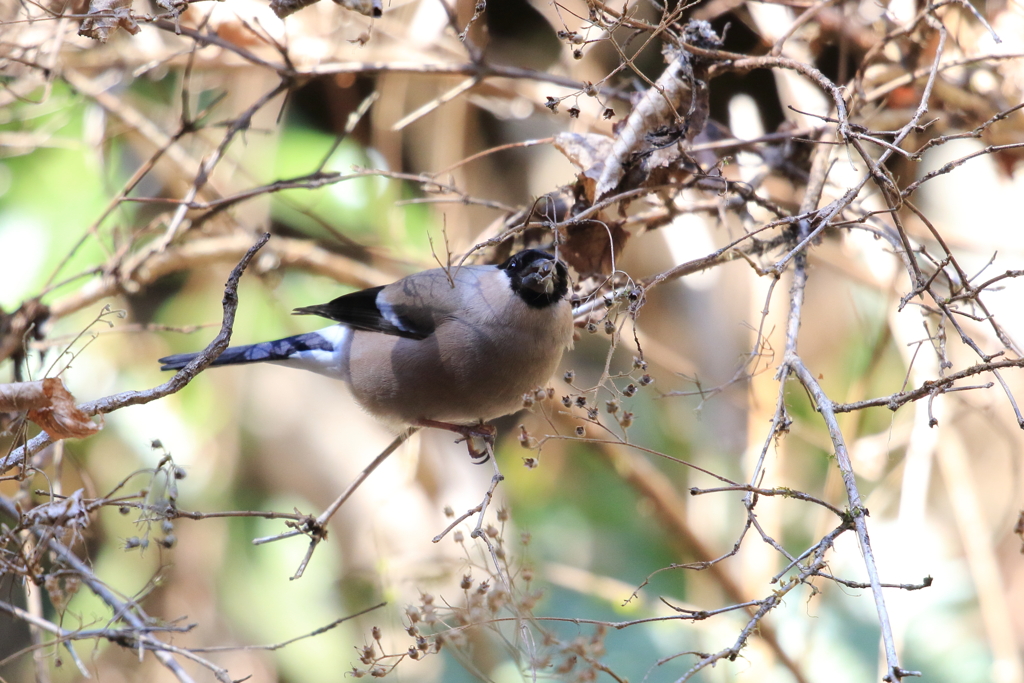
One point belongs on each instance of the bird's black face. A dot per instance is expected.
(537, 277)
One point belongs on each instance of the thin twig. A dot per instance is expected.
(109, 404)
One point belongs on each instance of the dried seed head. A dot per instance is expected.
(566, 401)
(375, 632)
(528, 400)
(502, 514)
(646, 380)
(626, 420)
(569, 376)
(591, 327)
(567, 665)
(448, 512)
(639, 363)
(530, 463)
(630, 390)
(612, 406)
(496, 599)
(459, 538)
(609, 327)
(581, 401)
(581, 431)
(466, 583)
(592, 413)
(530, 600)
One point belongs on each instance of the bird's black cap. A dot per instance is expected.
(538, 278)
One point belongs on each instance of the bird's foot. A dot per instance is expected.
(481, 431)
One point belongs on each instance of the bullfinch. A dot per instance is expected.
(441, 348)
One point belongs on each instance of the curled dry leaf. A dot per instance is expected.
(587, 152)
(50, 405)
(592, 246)
(667, 117)
(1019, 529)
(105, 17)
(28, 319)
(284, 8)
(370, 8)
(64, 512)
(21, 397)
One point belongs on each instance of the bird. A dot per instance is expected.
(450, 348)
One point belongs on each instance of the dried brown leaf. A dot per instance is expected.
(65, 512)
(666, 118)
(590, 246)
(284, 8)
(59, 416)
(105, 17)
(28, 319)
(22, 396)
(587, 152)
(370, 8)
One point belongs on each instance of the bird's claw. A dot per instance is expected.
(468, 433)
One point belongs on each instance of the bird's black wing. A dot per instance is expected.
(369, 311)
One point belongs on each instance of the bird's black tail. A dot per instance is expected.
(281, 349)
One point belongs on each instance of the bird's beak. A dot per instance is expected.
(540, 276)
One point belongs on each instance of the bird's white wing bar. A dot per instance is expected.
(369, 310)
(329, 357)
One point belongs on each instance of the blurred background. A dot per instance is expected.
(249, 119)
